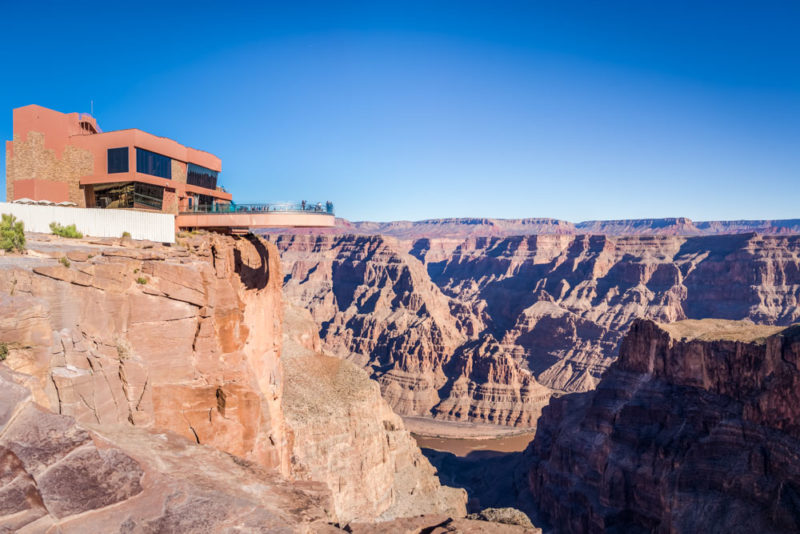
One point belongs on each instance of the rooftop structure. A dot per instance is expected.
(66, 157)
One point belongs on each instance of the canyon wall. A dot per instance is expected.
(461, 228)
(488, 328)
(173, 358)
(695, 428)
(344, 434)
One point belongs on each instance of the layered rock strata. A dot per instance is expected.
(462, 228)
(693, 429)
(59, 476)
(344, 434)
(487, 328)
(185, 340)
(171, 356)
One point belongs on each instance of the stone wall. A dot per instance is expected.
(178, 172)
(29, 159)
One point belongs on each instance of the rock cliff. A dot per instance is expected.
(59, 476)
(487, 328)
(163, 368)
(693, 429)
(185, 340)
(461, 228)
(344, 434)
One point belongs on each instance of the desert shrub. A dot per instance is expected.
(64, 261)
(141, 280)
(65, 231)
(123, 349)
(126, 234)
(3, 351)
(12, 234)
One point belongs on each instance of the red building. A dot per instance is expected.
(66, 157)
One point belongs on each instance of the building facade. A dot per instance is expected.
(66, 157)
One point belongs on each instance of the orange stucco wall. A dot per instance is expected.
(42, 190)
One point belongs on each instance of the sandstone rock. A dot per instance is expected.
(486, 328)
(169, 402)
(438, 524)
(195, 350)
(461, 228)
(346, 435)
(507, 516)
(693, 429)
(56, 476)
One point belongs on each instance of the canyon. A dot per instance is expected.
(488, 328)
(693, 429)
(234, 383)
(152, 388)
(461, 228)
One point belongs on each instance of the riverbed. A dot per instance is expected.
(464, 446)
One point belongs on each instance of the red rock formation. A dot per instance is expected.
(693, 429)
(484, 227)
(61, 476)
(144, 341)
(473, 329)
(160, 338)
(344, 434)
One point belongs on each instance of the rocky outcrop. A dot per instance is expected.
(344, 434)
(487, 328)
(439, 524)
(506, 516)
(140, 343)
(185, 340)
(693, 429)
(61, 476)
(484, 227)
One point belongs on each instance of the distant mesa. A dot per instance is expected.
(461, 228)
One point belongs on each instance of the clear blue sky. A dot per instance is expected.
(412, 110)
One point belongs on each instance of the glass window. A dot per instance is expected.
(128, 195)
(148, 196)
(202, 177)
(117, 160)
(153, 164)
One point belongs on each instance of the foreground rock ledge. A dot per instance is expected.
(144, 390)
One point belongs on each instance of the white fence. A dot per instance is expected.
(96, 222)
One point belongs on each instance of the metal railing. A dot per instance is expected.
(302, 207)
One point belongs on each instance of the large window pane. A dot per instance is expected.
(153, 164)
(128, 195)
(117, 160)
(148, 196)
(202, 177)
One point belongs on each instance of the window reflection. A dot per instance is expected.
(117, 160)
(202, 177)
(153, 164)
(128, 195)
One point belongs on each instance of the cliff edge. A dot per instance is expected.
(694, 428)
(165, 370)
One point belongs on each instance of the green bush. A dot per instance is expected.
(12, 234)
(3, 351)
(65, 231)
(126, 234)
(64, 261)
(141, 280)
